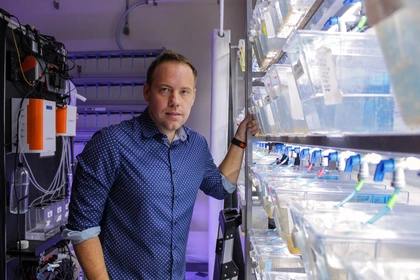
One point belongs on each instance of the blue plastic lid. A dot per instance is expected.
(333, 156)
(296, 150)
(288, 149)
(352, 161)
(304, 153)
(331, 21)
(348, 2)
(280, 148)
(383, 166)
(315, 155)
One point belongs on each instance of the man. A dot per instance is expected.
(136, 182)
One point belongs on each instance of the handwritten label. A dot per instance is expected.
(270, 32)
(325, 61)
(298, 70)
(296, 110)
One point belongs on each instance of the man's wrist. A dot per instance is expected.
(235, 141)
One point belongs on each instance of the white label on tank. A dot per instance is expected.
(270, 117)
(325, 61)
(298, 70)
(49, 214)
(272, 92)
(59, 210)
(271, 33)
(296, 110)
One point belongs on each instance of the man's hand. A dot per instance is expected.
(248, 124)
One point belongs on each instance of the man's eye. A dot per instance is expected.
(185, 92)
(164, 89)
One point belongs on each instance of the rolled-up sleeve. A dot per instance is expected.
(76, 236)
(228, 185)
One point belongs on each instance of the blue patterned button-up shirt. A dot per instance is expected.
(139, 191)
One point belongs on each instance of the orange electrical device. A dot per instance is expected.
(36, 125)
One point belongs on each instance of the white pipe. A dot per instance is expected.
(221, 16)
(218, 126)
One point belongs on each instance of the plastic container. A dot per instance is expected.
(293, 174)
(66, 210)
(58, 205)
(266, 123)
(334, 239)
(267, 46)
(40, 222)
(269, 110)
(385, 270)
(19, 190)
(288, 177)
(324, 191)
(276, 258)
(343, 83)
(281, 87)
(263, 233)
(272, 85)
(292, 15)
(271, 26)
(299, 208)
(293, 105)
(262, 175)
(284, 276)
(267, 241)
(402, 53)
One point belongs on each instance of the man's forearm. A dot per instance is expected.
(91, 258)
(231, 164)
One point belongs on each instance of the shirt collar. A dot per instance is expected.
(150, 130)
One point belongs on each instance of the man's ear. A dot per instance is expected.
(195, 92)
(146, 92)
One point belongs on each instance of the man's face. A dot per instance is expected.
(170, 96)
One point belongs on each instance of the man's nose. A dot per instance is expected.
(174, 99)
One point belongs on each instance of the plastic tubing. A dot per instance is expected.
(123, 19)
(353, 194)
(292, 162)
(388, 207)
(310, 181)
(319, 175)
(310, 166)
(282, 162)
(300, 176)
(359, 27)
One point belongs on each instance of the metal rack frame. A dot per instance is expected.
(395, 145)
